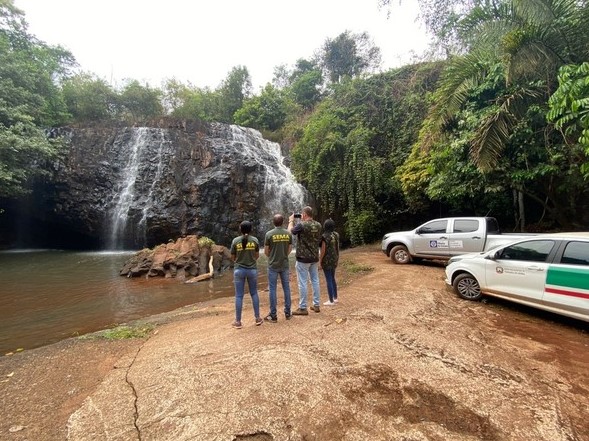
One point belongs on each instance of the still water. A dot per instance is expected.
(48, 295)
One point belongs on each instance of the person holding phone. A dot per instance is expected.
(308, 232)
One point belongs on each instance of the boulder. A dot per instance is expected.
(183, 259)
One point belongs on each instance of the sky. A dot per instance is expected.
(198, 42)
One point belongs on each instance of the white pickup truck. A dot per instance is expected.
(441, 239)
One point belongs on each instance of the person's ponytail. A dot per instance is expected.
(246, 228)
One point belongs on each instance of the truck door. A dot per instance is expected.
(567, 283)
(432, 238)
(467, 236)
(519, 271)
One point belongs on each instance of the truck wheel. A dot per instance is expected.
(400, 255)
(467, 287)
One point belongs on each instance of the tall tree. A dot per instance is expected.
(232, 93)
(30, 100)
(267, 111)
(517, 46)
(141, 101)
(89, 98)
(348, 55)
(353, 142)
(187, 101)
(305, 83)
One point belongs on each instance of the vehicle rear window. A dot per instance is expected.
(466, 225)
(576, 253)
(492, 226)
(438, 226)
(533, 251)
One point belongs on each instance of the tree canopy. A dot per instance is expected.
(499, 125)
(29, 99)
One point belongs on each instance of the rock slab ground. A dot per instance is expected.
(399, 358)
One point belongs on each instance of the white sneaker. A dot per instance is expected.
(334, 300)
(328, 303)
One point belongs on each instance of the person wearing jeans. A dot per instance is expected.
(329, 259)
(308, 232)
(277, 246)
(245, 250)
(306, 272)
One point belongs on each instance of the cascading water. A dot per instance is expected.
(173, 182)
(282, 193)
(129, 195)
(151, 196)
(125, 197)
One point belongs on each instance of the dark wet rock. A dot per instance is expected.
(132, 187)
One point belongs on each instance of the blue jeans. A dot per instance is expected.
(272, 282)
(331, 283)
(240, 275)
(304, 272)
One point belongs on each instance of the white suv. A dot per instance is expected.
(549, 272)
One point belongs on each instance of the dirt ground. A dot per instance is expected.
(399, 358)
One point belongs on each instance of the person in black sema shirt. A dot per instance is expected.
(277, 246)
(245, 250)
(308, 232)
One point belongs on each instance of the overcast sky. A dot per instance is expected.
(200, 41)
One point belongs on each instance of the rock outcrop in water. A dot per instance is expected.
(132, 187)
(184, 258)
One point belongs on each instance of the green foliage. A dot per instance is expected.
(232, 93)
(349, 55)
(29, 99)
(356, 268)
(205, 242)
(140, 101)
(352, 143)
(122, 332)
(267, 111)
(569, 106)
(187, 101)
(89, 98)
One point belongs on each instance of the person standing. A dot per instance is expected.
(277, 246)
(329, 259)
(245, 250)
(308, 232)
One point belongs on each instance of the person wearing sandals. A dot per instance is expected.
(277, 246)
(308, 232)
(329, 259)
(245, 250)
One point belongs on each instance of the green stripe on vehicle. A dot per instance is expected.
(569, 277)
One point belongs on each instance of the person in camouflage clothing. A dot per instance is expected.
(329, 259)
(308, 232)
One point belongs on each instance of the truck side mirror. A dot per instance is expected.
(494, 256)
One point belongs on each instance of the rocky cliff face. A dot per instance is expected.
(130, 187)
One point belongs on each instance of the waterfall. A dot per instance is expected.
(151, 200)
(282, 193)
(125, 197)
(169, 182)
(129, 196)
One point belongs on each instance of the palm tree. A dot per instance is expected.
(529, 40)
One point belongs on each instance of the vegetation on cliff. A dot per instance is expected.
(498, 125)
